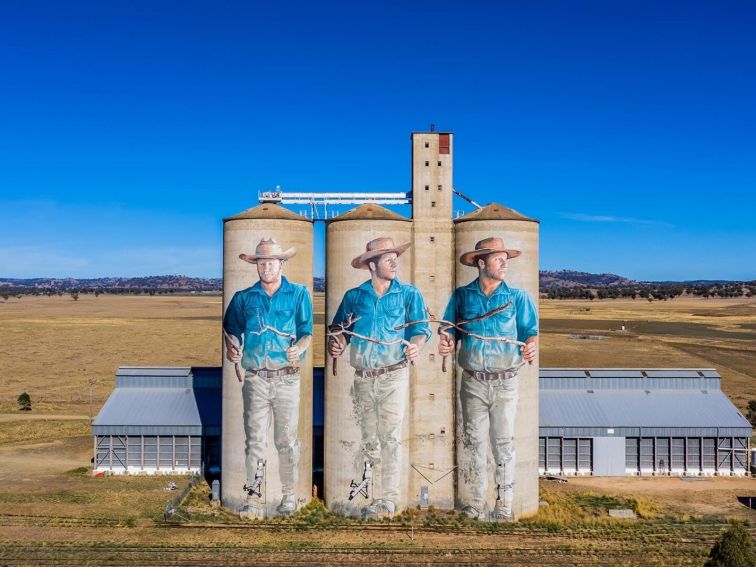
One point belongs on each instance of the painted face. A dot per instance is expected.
(269, 270)
(494, 265)
(385, 267)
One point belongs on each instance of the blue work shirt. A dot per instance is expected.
(288, 310)
(378, 317)
(519, 321)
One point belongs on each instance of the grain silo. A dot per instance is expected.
(366, 412)
(267, 470)
(482, 228)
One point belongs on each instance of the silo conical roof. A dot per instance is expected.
(369, 211)
(494, 211)
(267, 211)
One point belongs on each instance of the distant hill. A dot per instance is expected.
(172, 283)
(549, 280)
(569, 278)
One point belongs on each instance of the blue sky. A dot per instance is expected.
(129, 129)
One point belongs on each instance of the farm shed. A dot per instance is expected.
(160, 421)
(616, 422)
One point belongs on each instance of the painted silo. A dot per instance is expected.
(485, 469)
(367, 405)
(267, 384)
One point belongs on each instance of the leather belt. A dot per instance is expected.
(265, 373)
(373, 372)
(485, 376)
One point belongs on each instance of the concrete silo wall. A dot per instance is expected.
(351, 435)
(518, 233)
(241, 235)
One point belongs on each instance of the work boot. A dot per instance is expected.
(251, 510)
(471, 512)
(378, 508)
(502, 513)
(288, 505)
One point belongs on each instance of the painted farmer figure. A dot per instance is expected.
(488, 390)
(268, 328)
(381, 380)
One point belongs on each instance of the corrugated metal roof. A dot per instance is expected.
(162, 397)
(636, 408)
(635, 397)
(150, 406)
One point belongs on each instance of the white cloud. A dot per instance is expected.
(582, 217)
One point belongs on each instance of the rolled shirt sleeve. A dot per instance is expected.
(303, 315)
(527, 316)
(415, 312)
(233, 321)
(450, 314)
(343, 312)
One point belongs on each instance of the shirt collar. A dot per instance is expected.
(285, 287)
(394, 287)
(474, 286)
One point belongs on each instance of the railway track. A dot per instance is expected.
(648, 543)
(360, 555)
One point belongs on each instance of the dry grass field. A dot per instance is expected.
(53, 512)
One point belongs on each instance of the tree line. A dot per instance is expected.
(8, 292)
(655, 291)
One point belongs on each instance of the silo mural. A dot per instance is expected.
(372, 341)
(267, 366)
(494, 338)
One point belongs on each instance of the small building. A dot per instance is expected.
(616, 422)
(160, 421)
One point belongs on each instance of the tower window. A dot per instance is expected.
(427, 187)
(439, 164)
(427, 163)
(443, 431)
(440, 187)
(432, 396)
(433, 203)
(427, 145)
(431, 357)
(432, 238)
(432, 278)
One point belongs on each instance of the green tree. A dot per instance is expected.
(24, 402)
(734, 548)
(751, 415)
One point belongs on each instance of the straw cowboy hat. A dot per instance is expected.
(485, 247)
(268, 249)
(375, 248)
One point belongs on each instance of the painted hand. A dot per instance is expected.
(445, 345)
(336, 346)
(529, 351)
(233, 354)
(411, 351)
(293, 353)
